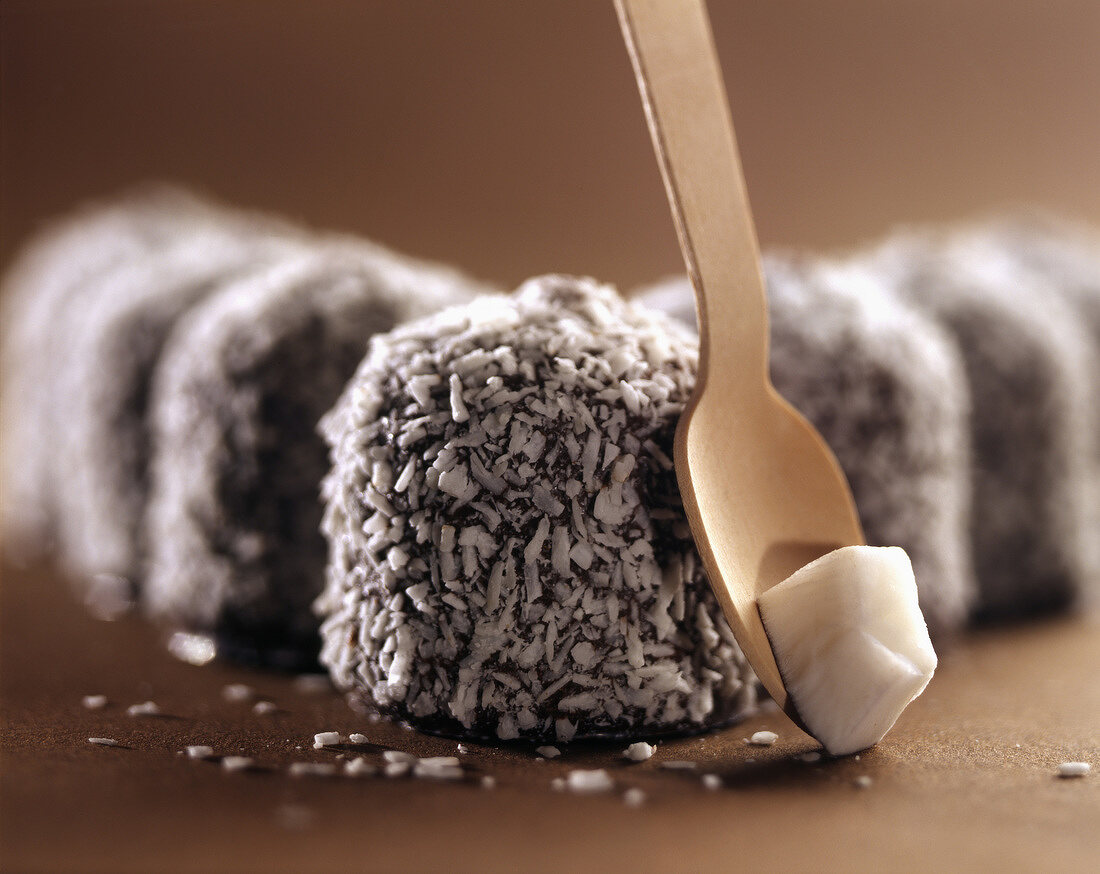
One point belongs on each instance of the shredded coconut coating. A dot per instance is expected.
(508, 555)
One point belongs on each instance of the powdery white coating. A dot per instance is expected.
(94, 702)
(584, 782)
(237, 763)
(639, 751)
(233, 519)
(1026, 354)
(764, 738)
(512, 575)
(850, 642)
(885, 387)
(200, 751)
(1074, 769)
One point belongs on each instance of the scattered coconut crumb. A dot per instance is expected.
(634, 797)
(312, 684)
(262, 708)
(548, 752)
(763, 738)
(438, 768)
(199, 751)
(461, 748)
(397, 756)
(583, 782)
(440, 762)
(397, 769)
(311, 769)
(359, 767)
(95, 702)
(678, 765)
(195, 649)
(103, 741)
(237, 763)
(488, 782)
(149, 708)
(639, 752)
(238, 692)
(712, 782)
(862, 781)
(811, 757)
(1074, 769)
(327, 739)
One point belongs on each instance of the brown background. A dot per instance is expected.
(507, 137)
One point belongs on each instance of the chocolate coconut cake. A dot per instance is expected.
(1065, 257)
(104, 446)
(1026, 356)
(885, 387)
(233, 537)
(508, 555)
(49, 293)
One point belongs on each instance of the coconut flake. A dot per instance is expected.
(327, 739)
(200, 751)
(1074, 769)
(639, 751)
(238, 692)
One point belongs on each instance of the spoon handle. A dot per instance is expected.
(672, 50)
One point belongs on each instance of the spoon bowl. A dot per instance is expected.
(761, 489)
(764, 496)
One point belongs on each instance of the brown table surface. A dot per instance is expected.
(966, 781)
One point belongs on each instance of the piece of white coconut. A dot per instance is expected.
(850, 642)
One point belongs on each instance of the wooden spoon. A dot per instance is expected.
(763, 493)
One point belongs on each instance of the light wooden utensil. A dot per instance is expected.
(763, 493)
